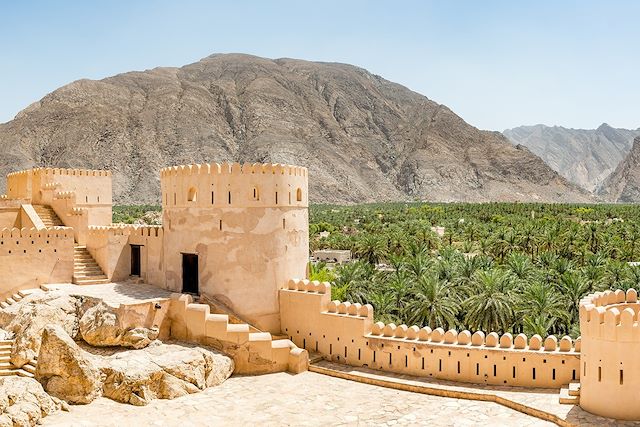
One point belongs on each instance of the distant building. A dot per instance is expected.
(336, 256)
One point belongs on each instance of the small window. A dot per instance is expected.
(256, 194)
(192, 196)
(276, 197)
(299, 195)
(229, 197)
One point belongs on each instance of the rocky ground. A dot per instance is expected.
(83, 354)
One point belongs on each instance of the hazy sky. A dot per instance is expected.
(498, 64)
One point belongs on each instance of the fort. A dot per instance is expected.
(232, 255)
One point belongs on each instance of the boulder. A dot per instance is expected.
(163, 371)
(5, 335)
(27, 319)
(23, 402)
(101, 325)
(65, 370)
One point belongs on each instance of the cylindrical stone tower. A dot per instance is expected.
(610, 367)
(236, 233)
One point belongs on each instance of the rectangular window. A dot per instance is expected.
(389, 358)
(458, 367)
(330, 348)
(553, 374)
(374, 355)
(440, 365)
(514, 372)
(599, 373)
(406, 361)
(621, 377)
(423, 363)
(345, 352)
(358, 354)
(276, 197)
(494, 370)
(534, 373)
(212, 198)
(477, 369)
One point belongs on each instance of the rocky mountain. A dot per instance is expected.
(362, 137)
(585, 157)
(623, 185)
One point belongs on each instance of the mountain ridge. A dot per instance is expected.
(363, 138)
(585, 157)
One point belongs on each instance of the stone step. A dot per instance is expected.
(574, 388)
(90, 276)
(567, 399)
(5, 365)
(92, 282)
(29, 368)
(26, 292)
(10, 301)
(16, 297)
(23, 373)
(3, 304)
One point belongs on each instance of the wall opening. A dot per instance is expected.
(135, 260)
(299, 195)
(229, 197)
(534, 373)
(599, 373)
(276, 197)
(256, 194)
(212, 198)
(192, 196)
(283, 223)
(621, 377)
(190, 274)
(514, 372)
(553, 374)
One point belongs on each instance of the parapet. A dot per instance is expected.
(32, 233)
(126, 230)
(233, 169)
(68, 172)
(221, 185)
(438, 336)
(611, 316)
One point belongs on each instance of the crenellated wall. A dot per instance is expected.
(29, 258)
(346, 333)
(80, 197)
(248, 225)
(610, 372)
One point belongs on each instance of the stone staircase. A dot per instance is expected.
(253, 352)
(6, 368)
(16, 297)
(571, 394)
(48, 216)
(86, 270)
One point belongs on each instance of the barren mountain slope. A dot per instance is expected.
(623, 185)
(363, 138)
(584, 156)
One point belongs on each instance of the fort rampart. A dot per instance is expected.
(346, 333)
(29, 258)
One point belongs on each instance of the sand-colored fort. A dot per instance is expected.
(233, 251)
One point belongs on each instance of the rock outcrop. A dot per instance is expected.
(101, 326)
(23, 402)
(65, 370)
(160, 371)
(363, 138)
(28, 319)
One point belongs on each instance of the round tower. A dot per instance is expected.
(610, 368)
(236, 233)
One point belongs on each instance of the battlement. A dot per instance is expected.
(126, 230)
(611, 316)
(32, 233)
(233, 169)
(234, 185)
(345, 332)
(60, 171)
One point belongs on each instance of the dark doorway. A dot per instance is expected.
(135, 260)
(190, 274)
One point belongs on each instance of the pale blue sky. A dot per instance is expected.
(498, 64)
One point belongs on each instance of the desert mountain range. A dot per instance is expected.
(362, 137)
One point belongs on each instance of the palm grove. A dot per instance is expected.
(499, 267)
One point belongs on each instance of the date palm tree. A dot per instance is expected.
(433, 304)
(489, 306)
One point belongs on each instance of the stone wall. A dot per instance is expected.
(345, 332)
(29, 258)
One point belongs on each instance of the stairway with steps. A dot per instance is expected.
(570, 395)
(17, 297)
(253, 352)
(7, 369)
(86, 270)
(48, 216)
